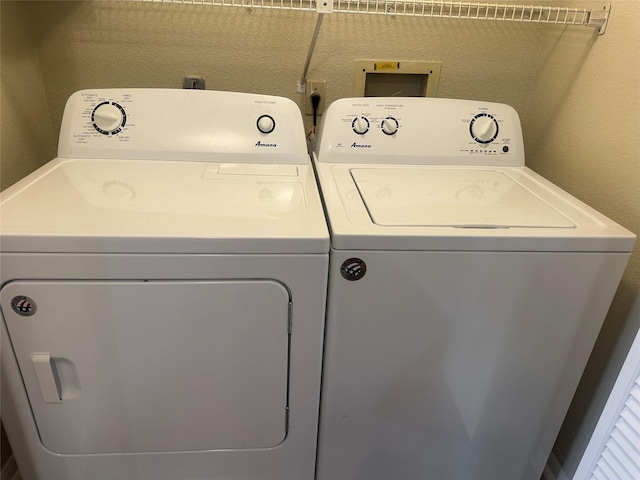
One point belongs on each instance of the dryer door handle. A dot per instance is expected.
(46, 377)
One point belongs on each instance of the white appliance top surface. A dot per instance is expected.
(444, 174)
(426, 207)
(170, 171)
(451, 198)
(95, 205)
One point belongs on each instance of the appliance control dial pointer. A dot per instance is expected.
(484, 128)
(389, 125)
(108, 118)
(360, 124)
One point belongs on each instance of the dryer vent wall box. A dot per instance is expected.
(465, 293)
(396, 79)
(163, 292)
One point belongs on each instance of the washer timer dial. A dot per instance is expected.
(484, 128)
(108, 118)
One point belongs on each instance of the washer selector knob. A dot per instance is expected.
(484, 128)
(360, 125)
(389, 126)
(108, 118)
(266, 124)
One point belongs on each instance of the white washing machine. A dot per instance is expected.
(163, 292)
(465, 293)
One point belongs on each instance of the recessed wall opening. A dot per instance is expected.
(396, 79)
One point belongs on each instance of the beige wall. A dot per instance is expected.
(584, 134)
(115, 44)
(577, 93)
(27, 138)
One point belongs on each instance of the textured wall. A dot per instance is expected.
(584, 135)
(27, 140)
(577, 94)
(111, 44)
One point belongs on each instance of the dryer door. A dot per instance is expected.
(152, 366)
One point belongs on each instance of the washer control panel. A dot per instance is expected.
(182, 125)
(420, 130)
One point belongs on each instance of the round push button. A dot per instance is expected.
(266, 124)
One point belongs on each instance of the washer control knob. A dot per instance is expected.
(266, 124)
(360, 125)
(484, 128)
(108, 118)
(389, 125)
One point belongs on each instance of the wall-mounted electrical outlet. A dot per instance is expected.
(192, 82)
(315, 86)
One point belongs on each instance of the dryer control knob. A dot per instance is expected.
(266, 124)
(360, 125)
(108, 118)
(389, 125)
(484, 128)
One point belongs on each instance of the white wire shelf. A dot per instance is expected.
(427, 8)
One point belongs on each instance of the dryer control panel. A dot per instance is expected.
(193, 125)
(420, 131)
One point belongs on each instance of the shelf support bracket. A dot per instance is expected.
(599, 18)
(324, 6)
(302, 83)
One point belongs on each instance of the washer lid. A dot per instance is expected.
(459, 208)
(147, 206)
(452, 198)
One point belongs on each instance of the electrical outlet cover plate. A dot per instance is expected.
(193, 82)
(320, 87)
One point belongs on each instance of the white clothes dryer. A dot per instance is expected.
(163, 292)
(465, 293)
